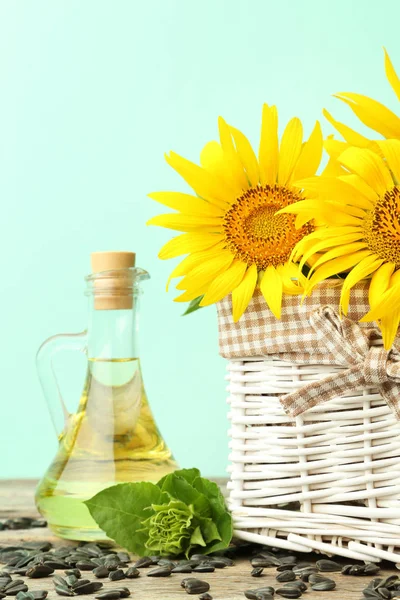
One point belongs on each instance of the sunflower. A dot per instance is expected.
(232, 237)
(360, 232)
(373, 114)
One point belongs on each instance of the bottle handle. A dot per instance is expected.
(47, 376)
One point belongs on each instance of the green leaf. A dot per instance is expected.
(120, 510)
(188, 474)
(180, 489)
(193, 306)
(220, 514)
(209, 530)
(197, 538)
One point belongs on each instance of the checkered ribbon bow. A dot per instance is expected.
(369, 366)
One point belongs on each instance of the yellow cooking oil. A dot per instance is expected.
(112, 438)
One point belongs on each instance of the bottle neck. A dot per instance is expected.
(112, 334)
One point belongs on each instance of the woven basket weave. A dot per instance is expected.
(325, 481)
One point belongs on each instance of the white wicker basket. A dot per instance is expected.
(325, 481)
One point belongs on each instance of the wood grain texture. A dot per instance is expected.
(16, 499)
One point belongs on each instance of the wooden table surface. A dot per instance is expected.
(16, 500)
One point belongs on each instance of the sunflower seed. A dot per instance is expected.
(298, 584)
(328, 566)
(371, 569)
(75, 572)
(116, 575)
(39, 571)
(132, 573)
(39, 594)
(196, 586)
(384, 592)
(24, 596)
(124, 591)
(38, 523)
(260, 561)
(166, 562)
(62, 590)
(100, 572)
(108, 595)
(71, 580)
(217, 563)
(285, 576)
(88, 588)
(124, 557)
(160, 572)
(186, 580)
(85, 565)
(289, 592)
(389, 582)
(324, 586)
(316, 578)
(205, 596)
(181, 569)
(143, 562)
(257, 572)
(371, 594)
(252, 594)
(58, 580)
(12, 584)
(205, 568)
(264, 596)
(56, 564)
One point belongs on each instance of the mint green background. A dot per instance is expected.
(92, 93)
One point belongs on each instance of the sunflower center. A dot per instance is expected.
(382, 227)
(255, 234)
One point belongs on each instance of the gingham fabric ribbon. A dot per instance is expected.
(326, 341)
(369, 366)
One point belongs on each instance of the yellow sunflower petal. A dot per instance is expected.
(310, 156)
(206, 271)
(359, 184)
(336, 189)
(391, 151)
(186, 297)
(369, 166)
(247, 156)
(189, 242)
(268, 151)
(293, 281)
(204, 183)
(186, 203)
(331, 242)
(238, 176)
(335, 266)
(333, 168)
(373, 114)
(352, 137)
(289, 150)
(187, 222)
(272, 288)
(224, 283)
(388, 301)
(364, 268)
(392, 75)
(192, 260)
(243, 293)
(334, 147)
(380, 283)
(389, 325)
(336, 251)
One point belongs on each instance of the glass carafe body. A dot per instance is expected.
(112, 436)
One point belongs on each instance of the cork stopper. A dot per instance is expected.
(113, 286)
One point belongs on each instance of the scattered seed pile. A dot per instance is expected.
(22, 523)
(293, 576)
